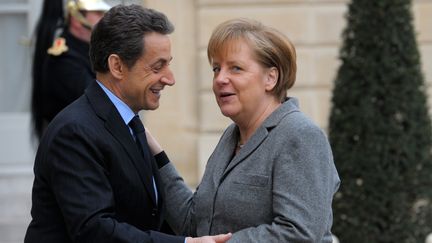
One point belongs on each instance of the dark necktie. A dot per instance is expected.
(141, 141)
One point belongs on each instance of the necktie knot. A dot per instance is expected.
(136, 125)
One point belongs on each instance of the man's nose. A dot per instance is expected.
(168, 78)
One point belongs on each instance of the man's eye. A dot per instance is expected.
(216, 69)
(157, 68)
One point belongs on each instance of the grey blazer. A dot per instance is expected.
(278, 188)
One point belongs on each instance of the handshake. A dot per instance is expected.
(210, 239)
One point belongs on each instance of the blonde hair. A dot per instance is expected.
(271, 48)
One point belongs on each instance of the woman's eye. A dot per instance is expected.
(216, 69)
(236, 68)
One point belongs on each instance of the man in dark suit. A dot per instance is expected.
(95, 179)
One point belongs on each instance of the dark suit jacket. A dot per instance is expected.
(89, 181)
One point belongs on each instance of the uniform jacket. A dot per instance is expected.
(278, 188)
(65, 77)
(89, 181)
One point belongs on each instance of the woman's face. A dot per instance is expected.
(240, 83)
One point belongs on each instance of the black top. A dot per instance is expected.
(65, 77)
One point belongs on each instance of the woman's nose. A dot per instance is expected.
(221, 77)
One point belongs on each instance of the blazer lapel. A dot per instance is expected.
(120, 131)
(248, 148)
(290, 105)
(222, 155)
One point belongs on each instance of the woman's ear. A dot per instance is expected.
(115, 66)
(272, 78)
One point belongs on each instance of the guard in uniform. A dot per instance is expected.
(61, 66)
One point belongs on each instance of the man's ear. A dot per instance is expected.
(115, 66)
(272, 78)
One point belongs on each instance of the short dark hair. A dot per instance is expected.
(121, 31)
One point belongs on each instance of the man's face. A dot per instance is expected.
(80, 30)
(142, 84)
(93, 17)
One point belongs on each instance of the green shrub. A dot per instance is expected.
(380, 129)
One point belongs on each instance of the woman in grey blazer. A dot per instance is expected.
(271, 177)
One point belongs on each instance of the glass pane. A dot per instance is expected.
(15, 61)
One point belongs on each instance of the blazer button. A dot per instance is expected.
(154, 212)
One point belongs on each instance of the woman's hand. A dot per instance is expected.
(155, 147)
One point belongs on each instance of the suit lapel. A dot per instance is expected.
(120, 131)
(248, 148)
(290, 105)
(126, 140)
(223, 153)
(157, 181)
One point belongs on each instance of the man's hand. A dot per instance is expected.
(222, 238)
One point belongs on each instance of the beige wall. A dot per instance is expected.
(188, 122)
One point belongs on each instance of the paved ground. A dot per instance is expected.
(15, 203)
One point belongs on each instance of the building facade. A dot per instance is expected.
(189, 123)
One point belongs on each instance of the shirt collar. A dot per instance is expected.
(125, 111)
